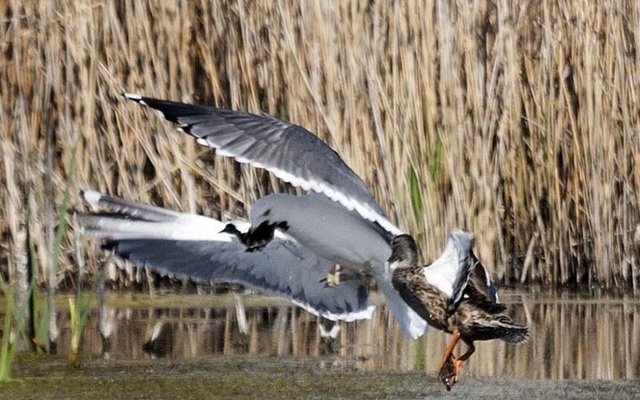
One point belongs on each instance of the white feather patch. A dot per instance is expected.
(92, 197)
(133, 96)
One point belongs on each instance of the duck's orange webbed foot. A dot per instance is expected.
(449, 372)
(448, 369)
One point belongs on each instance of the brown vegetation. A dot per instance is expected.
(517, 120)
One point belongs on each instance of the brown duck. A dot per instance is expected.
(453, 294)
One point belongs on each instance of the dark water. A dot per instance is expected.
(573, 337)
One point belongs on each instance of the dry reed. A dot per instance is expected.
(519, 120)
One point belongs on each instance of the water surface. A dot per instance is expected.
(579, 345)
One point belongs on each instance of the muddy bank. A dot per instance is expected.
(276, 377)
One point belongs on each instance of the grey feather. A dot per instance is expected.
(193, 246)
(289, 151)
(281, 268)
(463, 242)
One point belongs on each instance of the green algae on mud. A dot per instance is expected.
(274, 377)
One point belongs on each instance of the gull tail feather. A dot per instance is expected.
(131, 220)
(412, 324)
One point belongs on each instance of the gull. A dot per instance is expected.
(453, 294)
(292, 246)
(317, 249)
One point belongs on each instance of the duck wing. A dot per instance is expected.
(451, 271)
(481, 280)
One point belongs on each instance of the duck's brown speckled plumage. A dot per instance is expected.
(475, 316)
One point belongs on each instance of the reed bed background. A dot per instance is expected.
(517, 120)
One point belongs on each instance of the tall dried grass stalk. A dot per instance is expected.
(520, 120)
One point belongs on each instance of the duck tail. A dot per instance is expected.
(513, 333)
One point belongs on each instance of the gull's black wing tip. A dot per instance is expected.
(174, 111)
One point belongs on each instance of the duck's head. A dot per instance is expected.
(404, 252)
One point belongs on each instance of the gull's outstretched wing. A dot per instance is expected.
(187, 245)
(289, 151)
